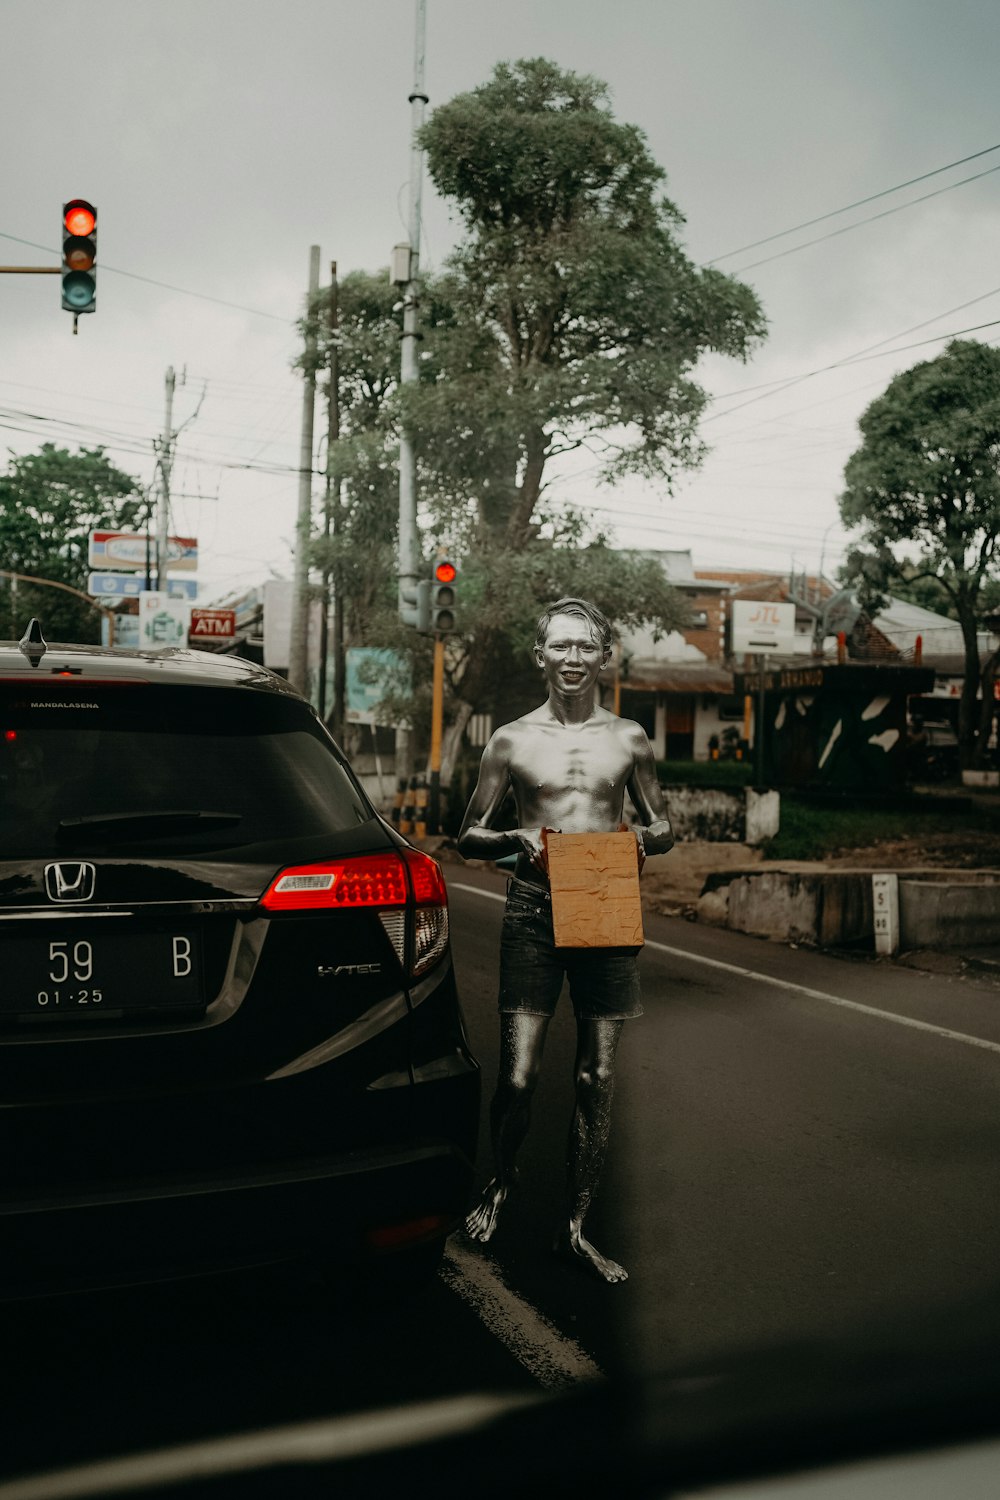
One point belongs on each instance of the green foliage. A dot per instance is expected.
(722, 773)
(49, 501)
(569, 315)
(924, 487)
(588, 312)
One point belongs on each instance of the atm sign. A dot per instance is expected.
(212, 624)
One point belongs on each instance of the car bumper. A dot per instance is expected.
(342, 1209)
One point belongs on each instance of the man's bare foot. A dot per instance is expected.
(571, 1245)
(482, 1221)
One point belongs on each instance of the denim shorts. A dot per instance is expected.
(603, 982)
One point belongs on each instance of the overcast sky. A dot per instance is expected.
(219, 139)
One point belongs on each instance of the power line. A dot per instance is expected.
(854, 359)
(165, 285)
(870, 219)
(859, 203)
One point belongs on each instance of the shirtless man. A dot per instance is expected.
(569, 764)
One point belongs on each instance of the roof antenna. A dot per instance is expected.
(32, 642)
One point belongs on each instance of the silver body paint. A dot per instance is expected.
(569, 764)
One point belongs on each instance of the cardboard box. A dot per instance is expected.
(594, 878)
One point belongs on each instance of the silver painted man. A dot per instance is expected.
(569, 764)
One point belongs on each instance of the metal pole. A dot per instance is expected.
(437, 716)
(335, 510)
(758, 739)
(408, 550)
(298, 654)
(163, 513)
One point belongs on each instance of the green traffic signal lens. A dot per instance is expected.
(444, 621)
(78, 290)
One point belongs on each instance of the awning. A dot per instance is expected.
(676, 677)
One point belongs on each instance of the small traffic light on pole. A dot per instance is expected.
(444, 598)
(79, 257)
(415, 605)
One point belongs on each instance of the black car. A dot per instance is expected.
(229, 1028)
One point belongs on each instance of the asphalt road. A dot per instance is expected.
(783, 1167)
(802, 1146)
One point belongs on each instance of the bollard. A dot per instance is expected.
(398, 800)
(420, 812)
(408, 809)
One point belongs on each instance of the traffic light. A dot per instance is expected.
(415, 605)
(79, 256)
(444, 598)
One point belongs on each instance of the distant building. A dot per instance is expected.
(681, 687)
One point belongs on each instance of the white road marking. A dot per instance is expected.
(554, 1360)
(787, 984)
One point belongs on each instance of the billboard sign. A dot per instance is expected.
(129, 549)
(763, 628)
(110, 586)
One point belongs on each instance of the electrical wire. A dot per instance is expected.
(150, 281)
(858, 203)
(857, 359)
(869, 219)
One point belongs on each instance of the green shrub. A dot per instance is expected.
(723, 773)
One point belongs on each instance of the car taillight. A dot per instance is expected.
(410, 880)
(365, 880)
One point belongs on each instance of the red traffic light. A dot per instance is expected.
(79, 257)
(79, 217)
(445, 572)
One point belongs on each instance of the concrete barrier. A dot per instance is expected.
(946, 913)
(945, 909)
(738, 815)
(825, 908)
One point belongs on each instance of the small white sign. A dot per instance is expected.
(162, 621)
(885, 912)
(763, 628)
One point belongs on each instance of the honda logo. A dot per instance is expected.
(70, 881)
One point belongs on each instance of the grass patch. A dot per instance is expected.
(809, 831)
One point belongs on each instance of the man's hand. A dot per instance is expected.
(532, 842)
(658, 838)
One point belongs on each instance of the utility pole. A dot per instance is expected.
(409, 555)
(298, 655)
(166, 458)
(334, 519)
(408, 551)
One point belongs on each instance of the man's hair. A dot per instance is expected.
(585, 610)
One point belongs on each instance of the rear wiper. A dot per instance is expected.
(138, 825)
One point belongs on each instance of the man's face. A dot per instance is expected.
(571, 656)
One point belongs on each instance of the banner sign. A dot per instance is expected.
(129, 549)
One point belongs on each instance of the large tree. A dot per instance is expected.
(578, 317)
(924, 487)
(568, 317)
(49, 501)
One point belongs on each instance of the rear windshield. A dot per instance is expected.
(138, 762)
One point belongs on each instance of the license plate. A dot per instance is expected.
(89, 974)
